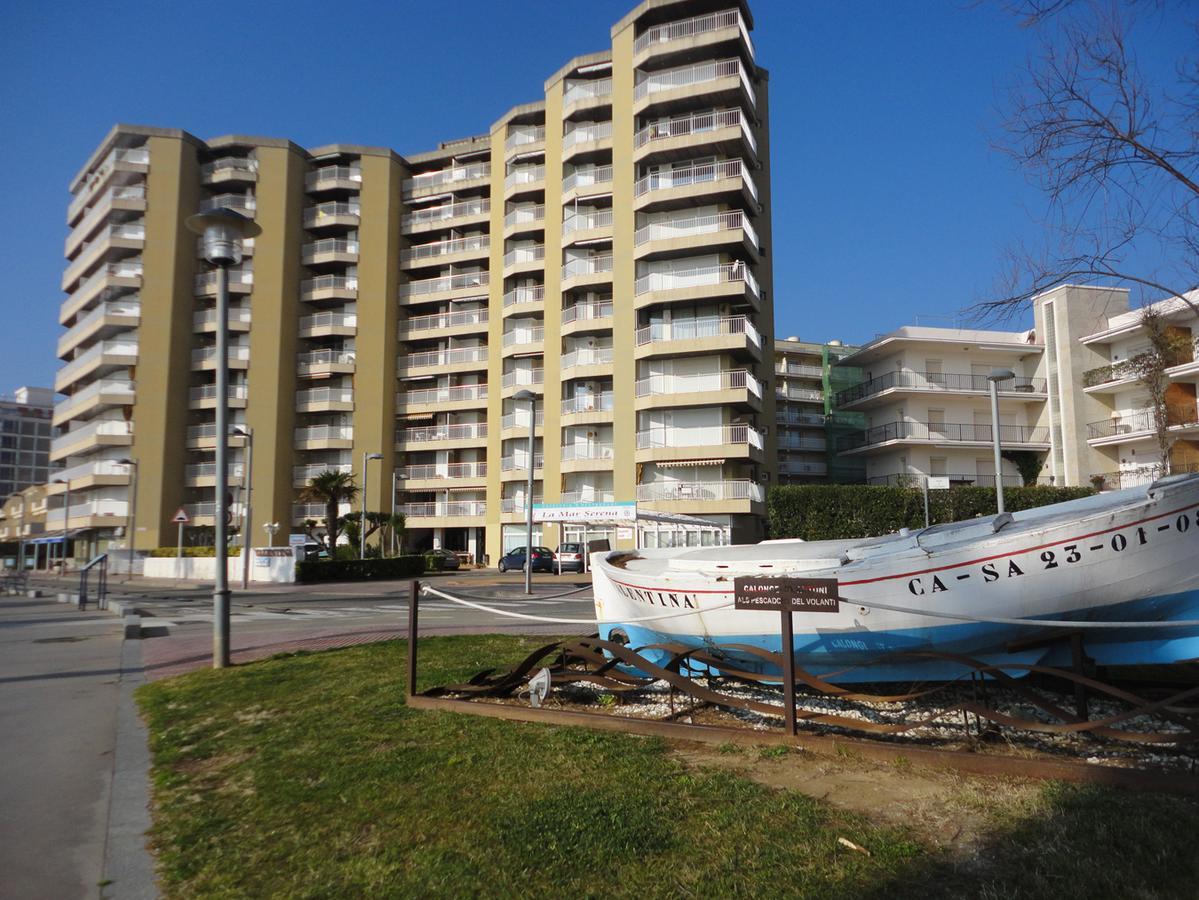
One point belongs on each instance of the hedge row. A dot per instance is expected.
(315, 570)
(192, 552)
(821, 512)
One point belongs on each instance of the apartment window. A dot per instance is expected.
(932, 371)
(937, 465)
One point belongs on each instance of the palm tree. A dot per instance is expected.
(331, 488)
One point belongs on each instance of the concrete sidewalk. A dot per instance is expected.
(69, 747)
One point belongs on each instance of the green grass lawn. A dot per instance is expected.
(306, 776)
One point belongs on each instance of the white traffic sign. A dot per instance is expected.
(938, 482)
(181, 517)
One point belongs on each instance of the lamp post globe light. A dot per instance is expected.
(271, 529)
(223, 232)
(531, 398)
(366, 458)
(996, 376)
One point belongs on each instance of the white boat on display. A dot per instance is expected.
(1124, 565)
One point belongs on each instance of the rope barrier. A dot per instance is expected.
(587, 587)
(556, 621)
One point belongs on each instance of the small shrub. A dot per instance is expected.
(192, 552)
(319, 570)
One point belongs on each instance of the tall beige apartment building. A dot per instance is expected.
(607, 247)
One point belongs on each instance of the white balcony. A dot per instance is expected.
(329, 287)
(688, 76)
(727, 380)
(124, 312)
(580, 90)
(433, 215)
(103, 355)
(328, 323)
(326, 398)
(588, 450)
(457, 394)
(587, 311)
(334, 177)
(697, 174)
(522, 378)
(204, 395)
(451, 357)
(519, 336)
(520, 462)
(589, 403)
(534, 294)
(441, 321)
(588, 356)
(129, 159)
(524, 215)
(587, 496)
(333, 213)
(118, 473)
(697, 277)
(701, 436)
(301, 475)
(698, 329)
(590, 265)
(445, 284)
(478, 243)
(522, 256)
(229, 168)
(585, 133)
(695, 124)
(204, 474)
(449, 471)
(206, 356)
(694, 27)
(116, 432)
(425, 181)
(205, 319)
(445, 510)
(799, 370)
(789, 392)
(103, 393)
(732, 220)
(586, 177)
(587, 221)
(701, 491)
(523, 136)
(329, 250)
(329, 359)
(312, 434)
(246, 204)
(129, 197)
(520, 419)
(241, 281)
(522, 176)
(302, 512)
(204, 436)
(468, 431)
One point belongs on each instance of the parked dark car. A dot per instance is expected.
(570, 557)
(448, 559)
(543, 560)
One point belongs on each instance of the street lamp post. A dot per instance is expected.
(532, 401)
(396, 477)
(20, 533)
(132, 463)
(248, 516)
(996, 376)
(270, 528)
(366, 458)
(66, 517)
(223, 231)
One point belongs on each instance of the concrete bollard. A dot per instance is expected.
(33, 593)
(62, 597)
(133, 626)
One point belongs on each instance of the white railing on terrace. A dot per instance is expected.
(466, 431)
(229, 164)
(585, 132)
(104, 427)
(700, 276)
(445, 470)
(524, 215)
(461, 281)
(129, 308)
(314, 180)
(446, 211)
(119, 386)
(794, 393)
(324, 395)
(693, 27)
(802, 371)
(587, 265)
(457, 393)
(588, 356)
(310, 286)
(88, 469)
(693, 329)
(523, 377)
(675, 491)
(309, 510)
(243, 203)
(790, 417)
(518, 255)
(732, 220)
(329, 320)
(314, 216)
(301, 475)
(585, 403)
(127, 231)
(591, 496)
(701, 173)
(534, 294)
(208, 392)
(202, 317)
(519, 136)
(525, 175)
(588, 450)
(727, 380)
(325, 433)
(103, 507)
(208, 430)
(584, 312)
(236, 276)
(437, 321)
(701, 436)
(584, 89)
(600, 219)
(139, 156)
(685, 76)
(521, 419)
(516, 504)
(516, 336)
(122, 348)
(447, 509)
(326, 358)
(425, 180)
(695, 123)
(587, 177)
(313, 249)
(99, 208)
(441, 357)
(445, 248)
(207, 354)
(521, 461)
(208, 470)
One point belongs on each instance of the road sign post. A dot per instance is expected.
(179, 519)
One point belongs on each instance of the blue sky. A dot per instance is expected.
(889, 201)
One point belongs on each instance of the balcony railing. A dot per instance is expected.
(943, 432)
(328, 320)
(315, 511)
(521, 419)
(524, 215)
(698, 173)
(237, 314)
(125, 307)
(446, 211)
(301, 475)
(443, 510)
(242, 203)
(459, 282)
(102, 427)
(479, 242)
(585, 89)
(229, 164)
(118, 348)
(693, 27)
(1142, 422)
(512, 463)
(455, 394)
(790, 392)
(458, 432)
(702, 436)
(207, 280)
(700, 491)
(519, 336)
(698, 73)
(425, 180)
(789, 417)
(588, 450)
(524, 175)
(733, 220)
(587, 496)
(585, 403)
(324, 395)
(588, 221)
(937, 381)
(209, 470)
(517, 255)
(588, 176)
(523, 377)
(310, 251)
(442, 357)
(438, 321)
(588, 356)
(585, 312)
(91, 469)
(585, 132)
(315, 216)
(791, 467)
(695, 123)
(208, 392)
(588, 265)
(793, 442)
(310, 433)
(445, 470)
(729, 380)
(315, 180)
(309, 287)
(239, 352)
(138, 156)
(699, 276)
(208, 431)
(520, 136)
(695, 329)
(534, 294)
(107, 386)
(800, 371)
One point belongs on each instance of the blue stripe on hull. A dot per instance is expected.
(858, 656)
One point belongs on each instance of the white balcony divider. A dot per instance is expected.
(695, 123)
(700, 491)
(445, 509)
(698, 276)
(727, 380)
(524, 175)
(585, 403)
(324, 395)
(534, 294)
(314, 216)
(324, 433)
(524, 215)
(523, 135)
(587, 177)
(242, 203)
(328, 357)
(442, 357)
(104, 427)
(587, 221)
(523, 377)
(693, 27)
(315, 180)
(426, 180)
(310, 286)
(694, 329)
(445, 470)
(329, 320)
(208, 392)
(301, 475)
(446, 211)
(700, 436)
(586, 89)
(459, 282)
(732, 220)
(701, 173)
(519, 255)
(455, 394)
(516, 336)
(480, 242)
(586, 311)
(464, 431)
(697, 73)
(584, 132)
(588, 356)
(588, 265)
(438, 321)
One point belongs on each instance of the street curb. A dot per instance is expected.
(128, 865)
